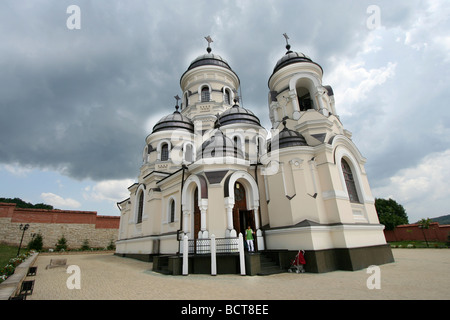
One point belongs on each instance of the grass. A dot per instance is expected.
(8, 252)
(417, 244)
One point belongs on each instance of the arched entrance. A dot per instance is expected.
(242, 217)
(194, 200)
(241, 197)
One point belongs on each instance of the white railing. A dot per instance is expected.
(213, 246)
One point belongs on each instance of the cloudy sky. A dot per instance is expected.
(77, 104)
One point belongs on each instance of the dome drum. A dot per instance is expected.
(287, 138)
(174, 121)
(219, 146)
(237, 114)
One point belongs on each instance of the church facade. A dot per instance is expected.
(210, 168)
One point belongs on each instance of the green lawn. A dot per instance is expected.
(8, 252)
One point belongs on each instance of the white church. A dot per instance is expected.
(210, 170)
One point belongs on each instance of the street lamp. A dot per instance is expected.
(24, 228)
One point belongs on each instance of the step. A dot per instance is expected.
(268, 266)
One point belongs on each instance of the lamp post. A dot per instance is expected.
(24, 228)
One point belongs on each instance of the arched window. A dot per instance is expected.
(189, 153)
(165, 152)
(205, 94)
(140, 207)
(349, 181)
(227, 97)
(172, 210)
(185, 100)
(237, 145)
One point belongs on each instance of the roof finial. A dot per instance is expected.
(208, 38)
(217, 123)
(236, 100)
(288, 46)
(176, 107)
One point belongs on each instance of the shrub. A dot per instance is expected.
(8, 270)
(36, 243)
(85, 245)
(111, 246)
(62, 244)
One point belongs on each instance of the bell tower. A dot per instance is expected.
(209, 87)
(297, 96)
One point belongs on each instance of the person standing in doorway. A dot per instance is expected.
(249, 237)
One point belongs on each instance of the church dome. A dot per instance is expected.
(288, 138)
(209, 59)
(237, 114)
(292, 57)
(174, 121)
(219, 145)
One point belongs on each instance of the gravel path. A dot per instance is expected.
(415, 274)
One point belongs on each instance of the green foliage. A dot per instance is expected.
(390, 213)
(8, 269)
(111, 246)
(85, 245)
(62, 244)
(36, 243)
(7, 252)
(425, 223)
(22, 204)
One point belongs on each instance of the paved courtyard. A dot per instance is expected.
(415, 274)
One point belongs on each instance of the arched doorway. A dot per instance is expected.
(242, 217)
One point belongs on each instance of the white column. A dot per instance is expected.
(257, 224)
(203, 208)
(241, 254)
(229, 204)
(213, 255)
(295, 105)
(186, 221)
(259, 239)
(185, 256)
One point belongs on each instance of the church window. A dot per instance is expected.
(140, 207)
(237, 145)
(165, 152)
(185, 101)
(349, 181)
(205, 94)
(172, 210)
(227, 96)
(189, 154)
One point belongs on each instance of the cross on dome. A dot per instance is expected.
(208, 38)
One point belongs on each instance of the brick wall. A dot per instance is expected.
(75, 226)
(407, 232)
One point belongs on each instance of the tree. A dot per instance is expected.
(85, 245)
(36, 243)
(62, 244)
(390, 213)
(22, 204)
(425, 224)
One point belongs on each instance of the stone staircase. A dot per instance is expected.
(162, 265)
(269, 266)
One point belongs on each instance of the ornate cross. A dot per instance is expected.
(177, 98)
(208, 38)
(288, 46)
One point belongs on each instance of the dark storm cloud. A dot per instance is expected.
(78, 100)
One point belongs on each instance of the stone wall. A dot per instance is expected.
(75, 226)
